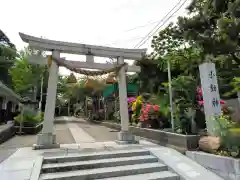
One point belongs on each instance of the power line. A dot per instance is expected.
(146, 38)
(148, 35)
(126, 40)
(142, 26)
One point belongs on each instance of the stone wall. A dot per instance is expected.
(226, 167)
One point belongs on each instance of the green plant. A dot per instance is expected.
(27, 116)
(229, 135)
(116, 116)
(184, 96)
(236, 87)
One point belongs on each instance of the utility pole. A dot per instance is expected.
(41, 95)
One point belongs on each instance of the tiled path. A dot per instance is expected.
(20, 159)
(63, 133)
(76, 131)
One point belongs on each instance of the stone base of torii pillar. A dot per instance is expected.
(126, 137)
(46, 141)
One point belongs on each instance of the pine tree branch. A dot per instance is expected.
(235, 58)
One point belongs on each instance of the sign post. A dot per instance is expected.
(211, 98)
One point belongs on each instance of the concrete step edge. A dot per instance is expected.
(77, 165)
(96, 155)
(106, 172)
(163, 175)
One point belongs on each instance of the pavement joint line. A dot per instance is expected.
(79, 134)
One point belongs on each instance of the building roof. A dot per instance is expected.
(6, 91)
(4, 40)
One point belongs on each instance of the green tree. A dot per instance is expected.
(214, 26)
(25, 76)
(8, 54)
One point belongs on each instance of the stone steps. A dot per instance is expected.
(96, 155)
(79, 165)
(163, 175)
(117, 164)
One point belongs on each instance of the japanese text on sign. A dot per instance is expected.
(210, 89)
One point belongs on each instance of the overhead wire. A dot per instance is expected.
(153, 31)
(142, 26)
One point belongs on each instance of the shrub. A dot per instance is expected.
(29, 117)
(229, 135)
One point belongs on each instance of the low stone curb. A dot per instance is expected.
(164, 138)
(7, 132)
(226, 167)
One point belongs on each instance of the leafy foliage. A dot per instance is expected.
(7, 56)
(24, 75)
(214, 26)
(30, 117)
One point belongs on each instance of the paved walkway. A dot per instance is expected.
(75, 130)
(17, 159)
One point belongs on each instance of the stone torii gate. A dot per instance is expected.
(47, 138)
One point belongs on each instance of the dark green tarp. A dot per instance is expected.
(110, 89)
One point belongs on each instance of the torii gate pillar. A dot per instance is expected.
(124, 135)
(47, 139)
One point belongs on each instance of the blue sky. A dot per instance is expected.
(98, 22)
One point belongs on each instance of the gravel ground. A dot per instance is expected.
(99, 133)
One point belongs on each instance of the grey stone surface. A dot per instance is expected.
(225, 167)
(37, 168)
(5, 153)
(110, 163)
(16, 168)
(14, 165)
(106, 172)
(19, 141)
(63, 134)
(46, 139)
(45, 146)
(182, 165)
(98, 132)
(125, 137)
(16, 155)
(89, 164)
(96, 155)
(164, 175)
(16, 175)
(7, 131)
(162, 137)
